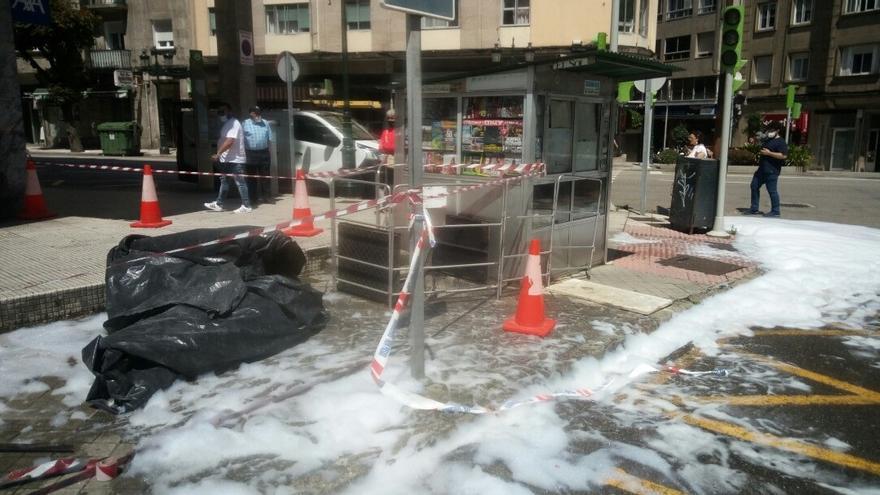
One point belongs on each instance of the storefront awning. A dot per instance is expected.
(619, 66)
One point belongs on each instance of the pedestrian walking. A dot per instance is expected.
(386, 139)
(230, 159)
(257, 139)
(771, 158)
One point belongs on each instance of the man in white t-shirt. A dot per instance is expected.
(230, 158)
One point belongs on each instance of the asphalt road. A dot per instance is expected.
(836, 199)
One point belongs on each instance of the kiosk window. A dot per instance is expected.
(492, 129)
(439, 130)
(557, 148)
(586, 141)
(586, 198)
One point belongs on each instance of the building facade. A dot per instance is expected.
(829, 49)
(153, 38)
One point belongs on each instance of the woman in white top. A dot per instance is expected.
(697, 148)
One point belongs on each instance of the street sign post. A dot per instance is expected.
(440, 9)
(288, 71)
(648, 87)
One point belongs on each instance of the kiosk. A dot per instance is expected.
(481, 127)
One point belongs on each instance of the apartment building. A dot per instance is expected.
(154, 37)
(829, 49)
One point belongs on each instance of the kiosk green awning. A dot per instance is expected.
(618, 66)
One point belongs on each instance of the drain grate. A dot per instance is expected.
(702, 265)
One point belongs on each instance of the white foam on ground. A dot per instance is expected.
(344, 436)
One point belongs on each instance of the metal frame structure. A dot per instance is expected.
(384, 220)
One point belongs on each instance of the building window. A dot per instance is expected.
(706, 7)
(627, 18)
(515, 12)
(801, 12)
(798, 66)
(643, 17)
(705, 44)
(163, 34)
(291, 18)
(690, 88)
(858, 60)
(676, 9)
(855, 6)
(212, 21)
(678, 48)
(357, 13)
(763, 68)
(766, 16)
(433, 22)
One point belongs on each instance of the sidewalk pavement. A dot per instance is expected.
(621, 161)
(54, 270)
(151, 154)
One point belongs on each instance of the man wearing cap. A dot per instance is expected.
(257, 135)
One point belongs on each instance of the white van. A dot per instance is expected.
(318, 141)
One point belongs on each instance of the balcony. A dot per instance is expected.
(108, 59)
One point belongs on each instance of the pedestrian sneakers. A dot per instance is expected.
(772, 214)
(243, 209)
(753, 212)
(213, 206)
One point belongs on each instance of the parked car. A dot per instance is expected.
(318, 141)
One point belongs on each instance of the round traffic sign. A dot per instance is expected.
(656, 84)
(287, 66)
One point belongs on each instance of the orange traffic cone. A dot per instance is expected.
(34, 203)
(151, 216)
(529, 316)
(301, 209)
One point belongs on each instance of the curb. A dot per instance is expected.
(64, 304)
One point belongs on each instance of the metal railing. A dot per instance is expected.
(499, 263)
(109, 59)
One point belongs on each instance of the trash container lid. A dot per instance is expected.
(117, 126)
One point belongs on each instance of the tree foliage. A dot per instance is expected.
(61, 44)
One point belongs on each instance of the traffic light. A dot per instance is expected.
(790, 92)
(731, 37)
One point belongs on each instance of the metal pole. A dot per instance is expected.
(787, 124)
(615, 24)
(647, 127)
(288, 69)
(666, 121)
(414, 163)
(347, 145)
(718, 227)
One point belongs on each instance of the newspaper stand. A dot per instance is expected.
(560, 113)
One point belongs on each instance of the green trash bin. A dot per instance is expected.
(119, 138)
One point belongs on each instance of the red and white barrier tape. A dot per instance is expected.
(354, 208)
(117, 168)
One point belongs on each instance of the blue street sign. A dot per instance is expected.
(441, 9)
(31, 11)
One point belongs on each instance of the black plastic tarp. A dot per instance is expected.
(201, 310)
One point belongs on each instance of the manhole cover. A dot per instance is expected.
(796, 205)
(702, 265)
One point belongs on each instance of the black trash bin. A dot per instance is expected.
(694, 194)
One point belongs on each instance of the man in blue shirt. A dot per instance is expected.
(257, 135)
(771, 158)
